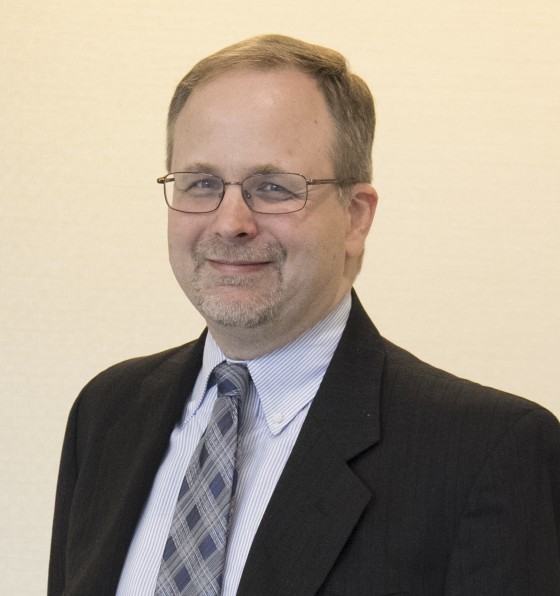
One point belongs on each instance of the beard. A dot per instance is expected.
(249, 309)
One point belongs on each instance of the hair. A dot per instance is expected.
(347, 96)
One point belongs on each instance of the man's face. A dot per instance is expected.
(278, 273)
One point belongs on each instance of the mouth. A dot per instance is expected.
(226, 267)
(238, 262)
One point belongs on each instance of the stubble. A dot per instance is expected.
(259, 305)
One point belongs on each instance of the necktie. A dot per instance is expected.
(194, 555)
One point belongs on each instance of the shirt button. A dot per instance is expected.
(277, 418)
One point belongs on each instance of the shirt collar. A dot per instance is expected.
(288, 378)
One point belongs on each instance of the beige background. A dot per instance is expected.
(462, 265)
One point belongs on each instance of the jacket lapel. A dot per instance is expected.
(131, 454)
(319, 499)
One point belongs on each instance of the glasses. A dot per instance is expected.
(195, 192)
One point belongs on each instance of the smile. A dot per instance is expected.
(238, 267)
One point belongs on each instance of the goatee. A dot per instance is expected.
(253, 309)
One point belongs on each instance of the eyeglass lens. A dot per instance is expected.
(193, 192)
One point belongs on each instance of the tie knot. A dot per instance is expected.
(232, 379)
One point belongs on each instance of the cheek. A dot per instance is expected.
(332, 241)
(180, 245)
(180, 232)
(321, 255)
(173, 225)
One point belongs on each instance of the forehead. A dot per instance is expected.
(254, 114)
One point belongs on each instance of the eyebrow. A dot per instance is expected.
(197, 166)
(267, 168)
(205, 167)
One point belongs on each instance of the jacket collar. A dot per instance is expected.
(319, 498)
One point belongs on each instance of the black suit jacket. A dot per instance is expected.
(403, 480)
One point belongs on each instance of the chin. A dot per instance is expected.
(242, 310)
(239, 314)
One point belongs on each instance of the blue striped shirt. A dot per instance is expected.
(284, 384)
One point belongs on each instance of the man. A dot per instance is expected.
(359, 469)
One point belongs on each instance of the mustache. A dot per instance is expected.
(214, 249)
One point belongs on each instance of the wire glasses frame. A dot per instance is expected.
(271, 193)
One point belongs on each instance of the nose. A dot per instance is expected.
(233, 218)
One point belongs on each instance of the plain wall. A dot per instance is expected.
(462, 263)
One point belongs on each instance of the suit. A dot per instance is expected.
(404, 480)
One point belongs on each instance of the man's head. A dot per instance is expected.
(347, 96)
(262, 279)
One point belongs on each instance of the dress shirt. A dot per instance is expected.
(284, 385)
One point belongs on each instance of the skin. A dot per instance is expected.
(262, 280)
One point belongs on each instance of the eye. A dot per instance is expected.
(210, 183)
(273, 192)
(203, 183)
(271, 187)
(197, 184)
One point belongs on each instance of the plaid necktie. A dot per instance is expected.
(194, 555)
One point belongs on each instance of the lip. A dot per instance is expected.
(238, 267)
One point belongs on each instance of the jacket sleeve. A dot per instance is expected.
(509, 534)
(68, 473)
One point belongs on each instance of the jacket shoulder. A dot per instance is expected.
(431, 396)
(118, 389)
(135, 369)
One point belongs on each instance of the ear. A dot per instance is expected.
(361, 209)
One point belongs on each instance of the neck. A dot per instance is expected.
(244, 343)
